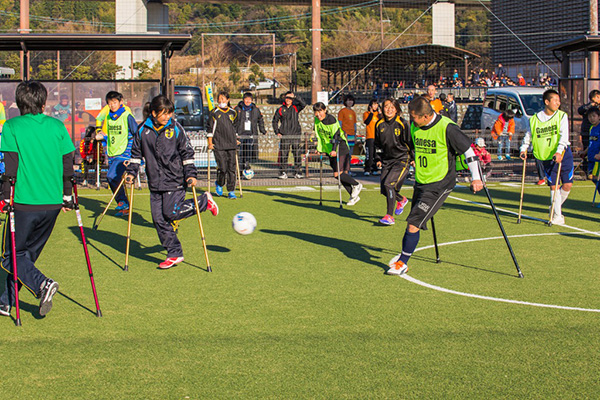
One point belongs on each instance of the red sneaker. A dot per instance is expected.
(211, 205)
(170, 262)
(541, 182)
(400, 206)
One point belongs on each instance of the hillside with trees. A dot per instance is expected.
(235, 61)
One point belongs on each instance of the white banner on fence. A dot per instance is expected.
(200, 156)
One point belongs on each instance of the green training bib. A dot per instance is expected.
(545, 135)
(431, 151)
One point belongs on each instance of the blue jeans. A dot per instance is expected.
(116, 169)
(504, 142)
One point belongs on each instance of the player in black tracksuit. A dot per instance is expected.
(222, 139)
(392, 138)
(286, 125)
(169, 157)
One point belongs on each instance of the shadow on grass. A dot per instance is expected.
(433, 261)
(136, 249)
(78, 303)
(352, 250)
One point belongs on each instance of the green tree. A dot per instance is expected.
(234, 73)
(82, 72)
(256, 74)
(108, 71)
(47, 70)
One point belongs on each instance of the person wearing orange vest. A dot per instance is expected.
(347, 117)
(436, 104)
(370, 118)
(503, 131)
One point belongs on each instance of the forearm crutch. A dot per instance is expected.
(208, 166)
(321, 179)
(208, 268)
(510, 249)
(85, 248)
(97, 223)
(435, 243)
(556, 191)
(126, 268)
(237, 167)
(339, 173)
(11, 216)
(522, 190)
(97, 165)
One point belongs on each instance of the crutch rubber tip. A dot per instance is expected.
(549, 223)
(518, 221)
(18, 322)
(209, 269)
(320, 203)
(126, 268)
(99, 314)
(438, 261)
(521, 275)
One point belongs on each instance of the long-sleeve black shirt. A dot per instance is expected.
(392, 137)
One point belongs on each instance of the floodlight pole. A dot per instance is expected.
(274, 88)
(316, 49)
(594, 67)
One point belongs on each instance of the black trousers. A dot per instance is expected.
(166, 207)
(392, 179)
(285, 145)
(226, 174)
(32, 231)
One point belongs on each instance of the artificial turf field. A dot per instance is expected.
(302, 309)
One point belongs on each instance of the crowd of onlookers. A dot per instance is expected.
(478, 77)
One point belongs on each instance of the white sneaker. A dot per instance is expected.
(353, 200)
(397, 267)
(558, 220)
(356, 190)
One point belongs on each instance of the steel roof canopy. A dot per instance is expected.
(578, 43)
(99, 42)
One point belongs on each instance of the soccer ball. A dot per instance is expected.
(248, 174)
(244, 223)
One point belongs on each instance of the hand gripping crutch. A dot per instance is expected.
(85, 248)
(337, 158)
(556, 190)
(237, 167)
(126, 268)
(11, 216)
(321, 179)
(97, 165)
(208, 268)
(522, 191)
(95, 226)
(512, 253)
(435, 243)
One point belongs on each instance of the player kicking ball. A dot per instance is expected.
(436, 141)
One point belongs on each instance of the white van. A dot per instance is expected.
(524, 101)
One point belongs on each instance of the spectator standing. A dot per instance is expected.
(436, 103)
(501, 71)
(87, 150)
(347, 118)
(286, 125)
(521, 80)
(584, 110)
(452, 109)
(30, 142)
(370, 118)
(250, 122)
(484, 156)
(62, 110)
(503, 131)
(593, 149)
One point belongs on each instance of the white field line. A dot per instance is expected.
(497, 299)
(523, 215)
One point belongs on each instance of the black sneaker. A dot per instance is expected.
(5, 310)
(49, 289)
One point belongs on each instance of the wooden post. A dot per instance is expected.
(316, 49)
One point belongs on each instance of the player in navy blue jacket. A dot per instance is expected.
(169, 157)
